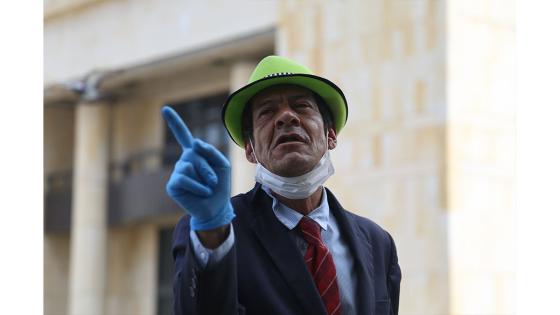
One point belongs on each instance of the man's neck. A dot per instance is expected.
(303, 206)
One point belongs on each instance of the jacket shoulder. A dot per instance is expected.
(377, 236)
(371, 228)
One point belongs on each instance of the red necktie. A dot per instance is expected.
(321, 265)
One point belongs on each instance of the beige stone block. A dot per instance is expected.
(376, 151)
(360, 104)
(342, 156)
(420, 97)
(390, 148)
(424, 294)
(412, 146)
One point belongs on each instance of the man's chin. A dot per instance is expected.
(289, 157)
(291, 164)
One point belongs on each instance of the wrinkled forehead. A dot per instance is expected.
(277, 92)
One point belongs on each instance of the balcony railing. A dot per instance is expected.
(137, 188)
(136, 191)
(58, 202)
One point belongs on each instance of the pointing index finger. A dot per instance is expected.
(177, 126)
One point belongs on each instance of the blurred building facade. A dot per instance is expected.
(427, 152)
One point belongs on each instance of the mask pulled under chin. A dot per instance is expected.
(299, 187)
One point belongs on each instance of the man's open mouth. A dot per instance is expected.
(288, 138)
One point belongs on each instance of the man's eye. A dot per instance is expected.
(264, 112)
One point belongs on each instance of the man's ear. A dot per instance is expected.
(249, 154)
(331, 138)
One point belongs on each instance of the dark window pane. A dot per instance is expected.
(165, 273)
(203, 117)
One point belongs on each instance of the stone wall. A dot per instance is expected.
(389, 59)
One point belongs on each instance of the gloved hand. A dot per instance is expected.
(201, 180)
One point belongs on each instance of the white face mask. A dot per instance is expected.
(299, 187)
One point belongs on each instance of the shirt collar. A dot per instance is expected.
(290, 217)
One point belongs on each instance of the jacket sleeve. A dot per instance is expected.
(212, 290)
(394, 278)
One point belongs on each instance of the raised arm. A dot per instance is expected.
(200, 184)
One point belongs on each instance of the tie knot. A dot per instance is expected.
(311, 231)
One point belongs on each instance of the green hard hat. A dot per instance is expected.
(275, 70)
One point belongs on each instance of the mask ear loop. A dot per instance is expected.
(254, 154)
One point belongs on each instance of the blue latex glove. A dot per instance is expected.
(201, 180)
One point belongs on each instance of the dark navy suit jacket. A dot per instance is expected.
(265, 273)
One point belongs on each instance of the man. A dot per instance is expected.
(287, 246)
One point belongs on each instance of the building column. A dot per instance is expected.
(243, 172)
(89, 210)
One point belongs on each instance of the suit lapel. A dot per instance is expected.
(359, 247)
(284, 253)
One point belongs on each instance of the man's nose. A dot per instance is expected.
(287, 117)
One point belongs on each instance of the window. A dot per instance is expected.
(203, 116)
(166, 269)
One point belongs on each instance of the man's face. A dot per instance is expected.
(288, 132)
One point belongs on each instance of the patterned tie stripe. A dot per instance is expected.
(321, 265)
